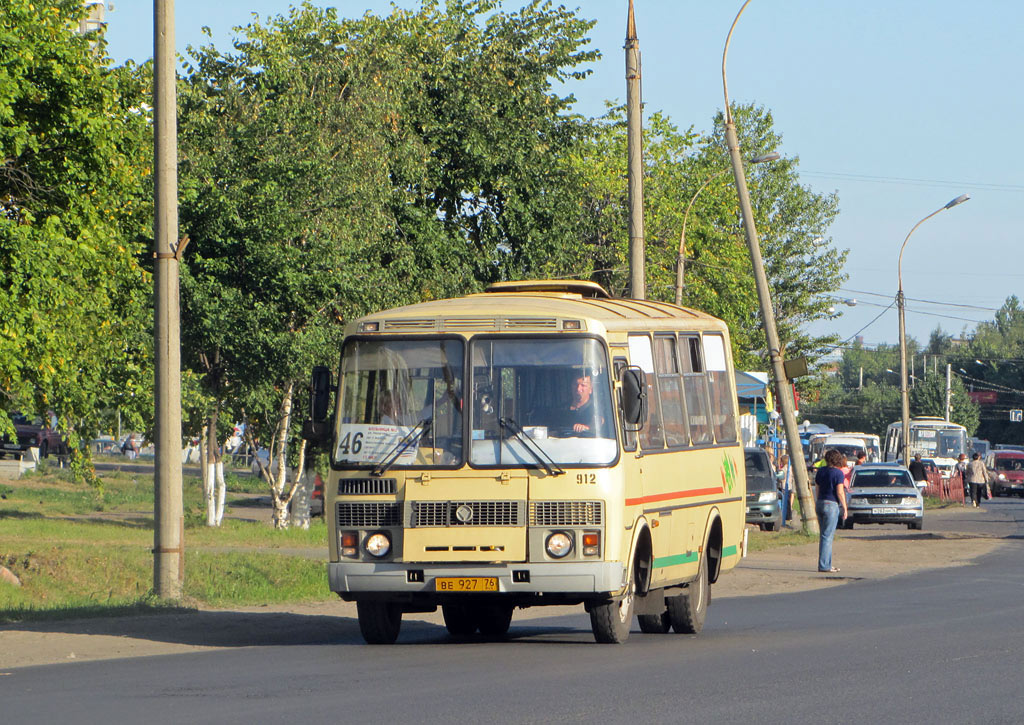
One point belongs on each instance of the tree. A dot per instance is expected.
(334, 167)
(72, 219)
(802, 266)
(928, 397)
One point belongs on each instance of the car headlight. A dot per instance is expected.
(378, 545)
(1002, 476)
(767, 497)
(909, 500)
(558, 544)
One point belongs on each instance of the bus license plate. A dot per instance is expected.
(466, 584)
(883, 510)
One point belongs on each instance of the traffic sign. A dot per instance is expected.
(1016, 415)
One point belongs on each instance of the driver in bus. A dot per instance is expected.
(580, 417)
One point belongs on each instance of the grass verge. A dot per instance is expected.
(81, 551)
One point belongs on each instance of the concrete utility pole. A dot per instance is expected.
(949, 390)
(783, 393)
(634, 122)
(168, 534)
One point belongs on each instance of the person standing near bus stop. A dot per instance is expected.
(831, 502)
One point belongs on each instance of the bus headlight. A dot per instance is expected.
(378, 545)
(558, 545)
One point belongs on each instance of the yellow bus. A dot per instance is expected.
(539, 443)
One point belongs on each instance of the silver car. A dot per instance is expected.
(883, 493)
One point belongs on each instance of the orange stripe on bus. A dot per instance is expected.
(676, 494)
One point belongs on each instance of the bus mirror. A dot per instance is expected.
(634, 397)
(321, 394)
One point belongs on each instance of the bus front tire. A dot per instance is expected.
(494, 620)
(688, 609)
(610, 621)
(379, 622)
(459, 620)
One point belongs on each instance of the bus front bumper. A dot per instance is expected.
(520, 578)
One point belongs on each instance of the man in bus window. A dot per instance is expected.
(580, 416)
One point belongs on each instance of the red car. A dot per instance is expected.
(1007, 469)
(33, 433)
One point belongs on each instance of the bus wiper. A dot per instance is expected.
(542, 458)
(410, 438)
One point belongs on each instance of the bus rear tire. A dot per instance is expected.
(379, 622)
(460, 620)
(610, 621)
(654, 623)
(688, 610)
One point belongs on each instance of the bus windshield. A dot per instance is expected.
(401, 403)
(557, 391)
(938, 442)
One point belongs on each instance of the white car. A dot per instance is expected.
(883, 493)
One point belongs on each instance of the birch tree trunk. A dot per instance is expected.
(213, 460)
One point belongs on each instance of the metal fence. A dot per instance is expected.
(945, 489)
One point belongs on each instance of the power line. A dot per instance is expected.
(868, 178)
(916, 299)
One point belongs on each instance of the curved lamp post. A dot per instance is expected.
(783, 394)
(681, 260)
(904, 394)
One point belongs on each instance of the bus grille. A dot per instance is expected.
(367, 486)
(566, 513)
(467, 513)
(368, 515)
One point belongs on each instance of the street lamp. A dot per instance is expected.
(782, 390)
(900, 304)
(681, 260)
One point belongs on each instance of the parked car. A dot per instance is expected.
(883, 493)
(764, 504)
(1007, 468)
(34, 433)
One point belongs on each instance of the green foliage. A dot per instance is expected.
(800, 262)
(928, 397)
(72, 209)
(332, 167)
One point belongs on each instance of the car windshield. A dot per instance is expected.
(551, 394)
(1009, 464)
(391, 387)
(883, 477)
(848, 450)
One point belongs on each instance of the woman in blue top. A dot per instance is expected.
(831, 499)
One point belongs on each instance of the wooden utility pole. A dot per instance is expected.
(634, 122)
(169, 522)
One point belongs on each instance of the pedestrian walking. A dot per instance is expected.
(977, 477)
(830, 504)
(918, 471)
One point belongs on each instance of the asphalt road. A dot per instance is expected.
(940, 646)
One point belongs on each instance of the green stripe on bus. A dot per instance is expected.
(730, 551)
(675, 560)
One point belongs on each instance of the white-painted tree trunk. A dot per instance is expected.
(210, 493)
(302, 499)
(221, 493)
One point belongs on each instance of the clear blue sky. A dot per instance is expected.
(896, 106)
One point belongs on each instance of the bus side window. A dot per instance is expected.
(723, 402)
(666, 362)
(652, 436)
(628, 436)
(694, 387)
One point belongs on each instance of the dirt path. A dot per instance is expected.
(864, 554)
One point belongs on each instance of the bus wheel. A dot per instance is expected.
(610, 621)
(379, 622)
(494, 620)
(688, 610)
(460, 620)
(654, 623)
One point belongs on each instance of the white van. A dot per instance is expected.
(850, 443)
